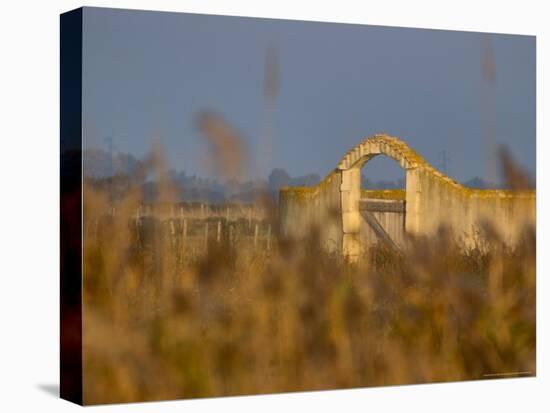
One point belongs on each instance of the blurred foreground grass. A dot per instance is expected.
(162, 325)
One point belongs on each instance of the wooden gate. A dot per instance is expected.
(383, 222)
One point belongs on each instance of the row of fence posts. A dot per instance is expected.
(184, 221)
(203, 213)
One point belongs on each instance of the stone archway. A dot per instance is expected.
(350, 188)
(432, 199)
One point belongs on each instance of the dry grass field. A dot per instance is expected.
(163, 321)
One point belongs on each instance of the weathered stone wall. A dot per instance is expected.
(431, 198)
(306, 209)
(441, 201)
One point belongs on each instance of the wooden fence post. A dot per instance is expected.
(206, 236)
(96, 229)
(219, 235)
(183, 238)
(269, 237)
(255, 235)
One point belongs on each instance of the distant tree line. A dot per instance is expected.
(119, 172)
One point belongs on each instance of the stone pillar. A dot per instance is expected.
(350, 192)
(412, 206)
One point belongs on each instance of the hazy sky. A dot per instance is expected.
(148, 74)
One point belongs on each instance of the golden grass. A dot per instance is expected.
(160, 324)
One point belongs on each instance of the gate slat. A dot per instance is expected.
(380, 205)
(378, 229)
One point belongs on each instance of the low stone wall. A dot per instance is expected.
(303, 210)
(432, 200)
(441, 201)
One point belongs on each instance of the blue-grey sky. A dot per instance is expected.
(148, 74)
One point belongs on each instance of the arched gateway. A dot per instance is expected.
(349, 219)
